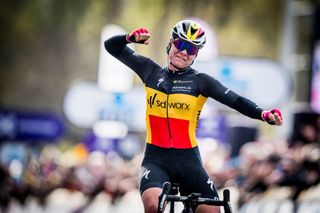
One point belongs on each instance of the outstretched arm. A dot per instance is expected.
(211, 87)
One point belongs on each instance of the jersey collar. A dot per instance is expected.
(178, 73)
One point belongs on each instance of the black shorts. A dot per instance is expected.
(183, 166)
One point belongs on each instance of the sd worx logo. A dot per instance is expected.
(152, 101)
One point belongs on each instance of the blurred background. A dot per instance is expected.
(72, 118)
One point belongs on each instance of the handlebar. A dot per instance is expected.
(163, 196)
(193, 199)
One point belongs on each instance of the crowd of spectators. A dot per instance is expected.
(98, 182)
(54, 184)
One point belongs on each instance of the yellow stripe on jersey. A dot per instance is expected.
(182, 106)
(194, 119)
(156, 102)
(179, 106)
(148, 129)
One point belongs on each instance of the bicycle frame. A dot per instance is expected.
(191, 201)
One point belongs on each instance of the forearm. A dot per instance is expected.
(115, 44)
(248, 108)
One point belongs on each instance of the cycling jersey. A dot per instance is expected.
(174, 100)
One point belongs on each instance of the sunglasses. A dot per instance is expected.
(183, 45)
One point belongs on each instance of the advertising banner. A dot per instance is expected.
(29, 126)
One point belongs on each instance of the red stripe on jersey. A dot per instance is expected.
(160, 135)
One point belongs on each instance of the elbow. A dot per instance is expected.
(107, 45)
(114, 45)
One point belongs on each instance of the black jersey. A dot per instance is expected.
(174, 100)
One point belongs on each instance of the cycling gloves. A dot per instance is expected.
(140, 36)
(275, 119)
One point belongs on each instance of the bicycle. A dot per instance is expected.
(190, 202)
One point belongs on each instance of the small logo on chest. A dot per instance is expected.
(160, 81)
(182, 86)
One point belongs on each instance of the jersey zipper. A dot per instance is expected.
(168, 122)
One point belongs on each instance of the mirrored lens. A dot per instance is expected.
(182, 45)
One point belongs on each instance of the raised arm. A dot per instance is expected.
(117, 47)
